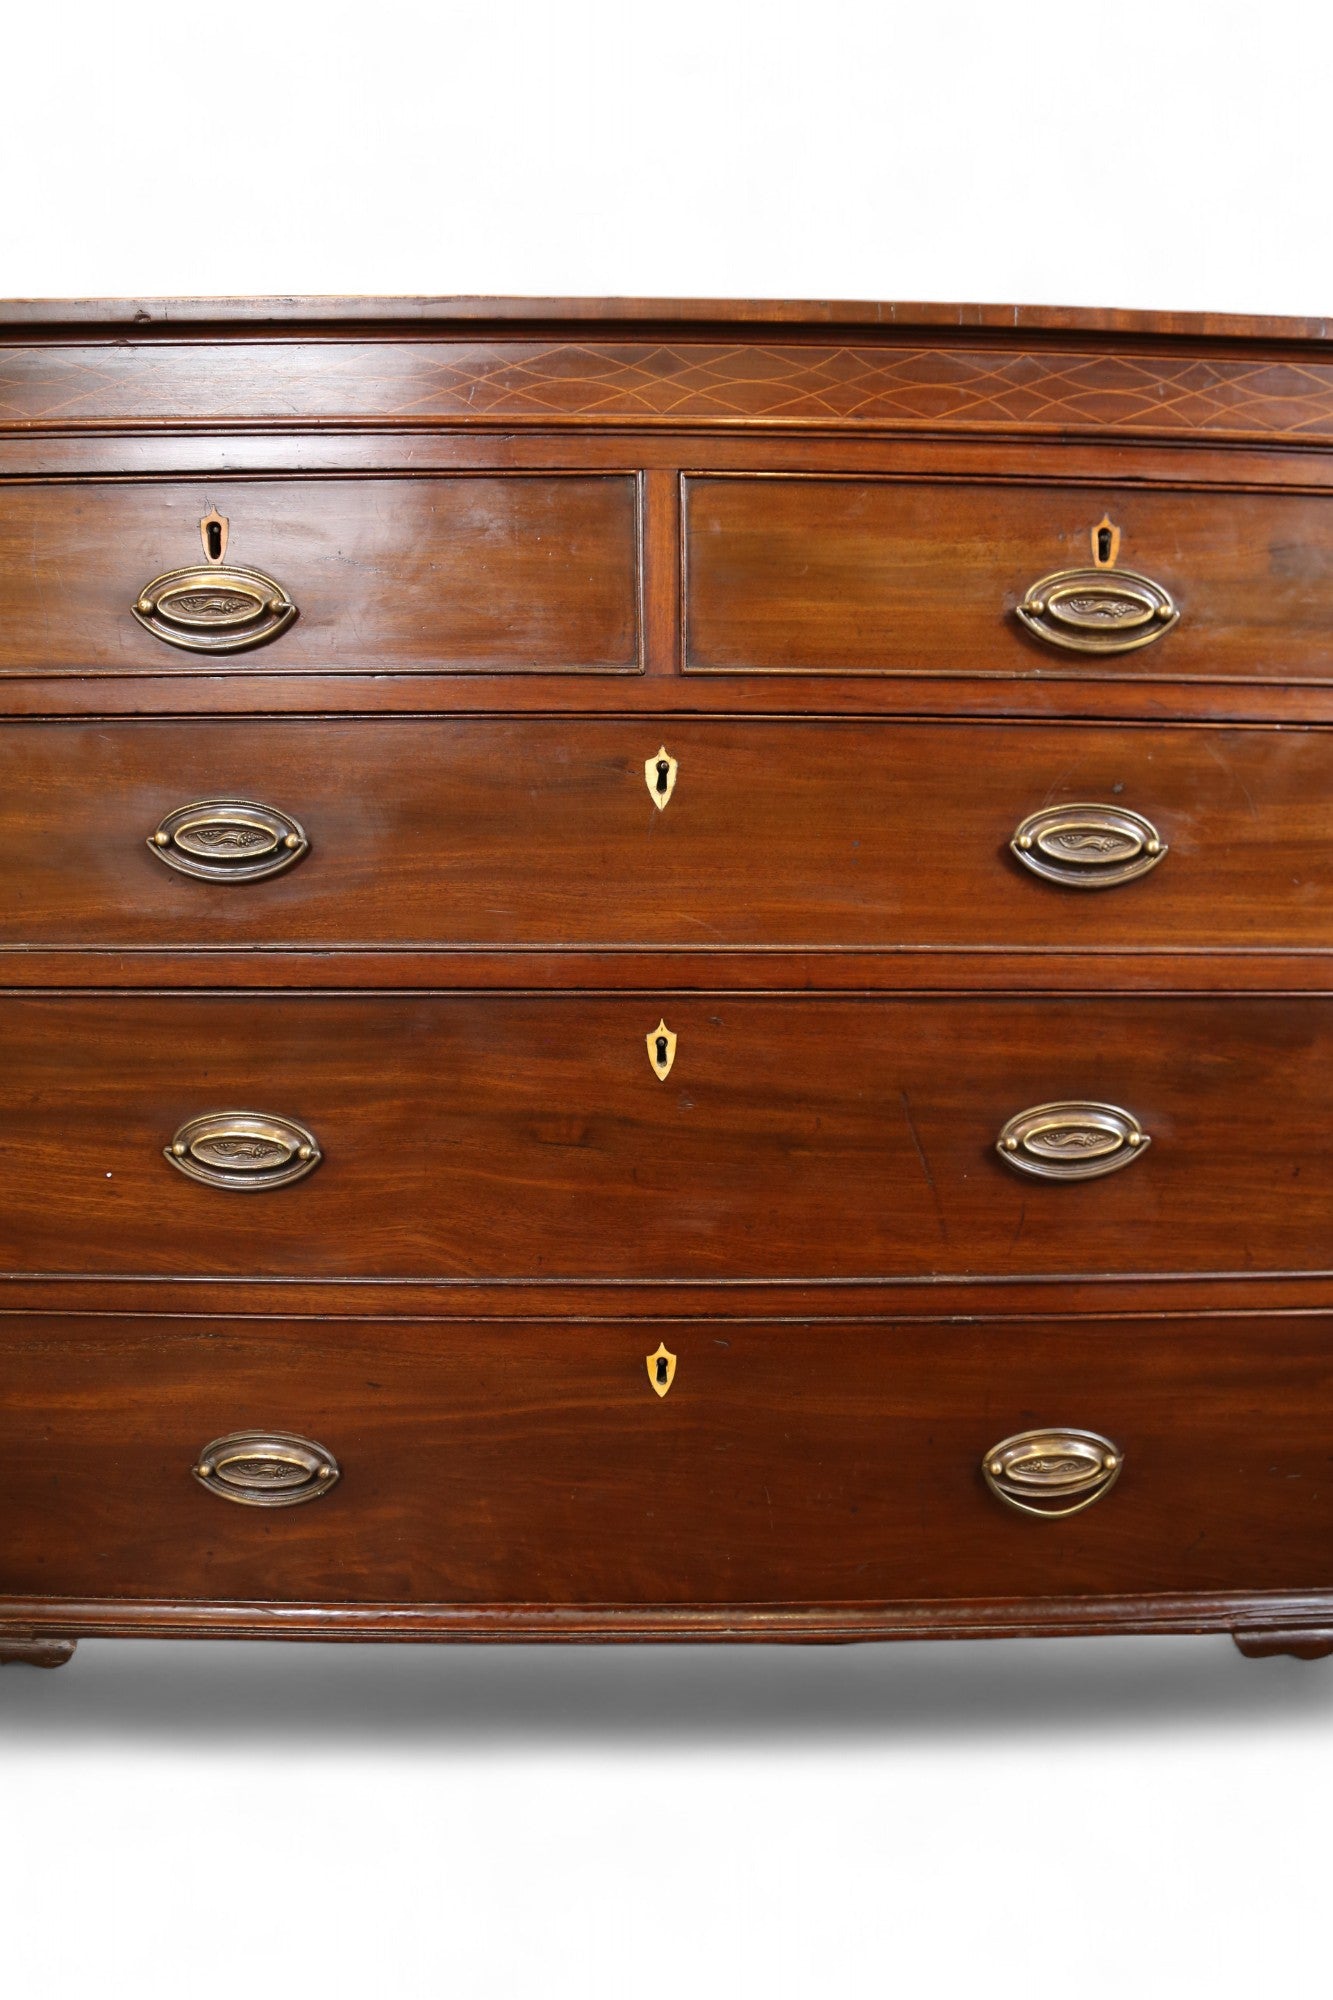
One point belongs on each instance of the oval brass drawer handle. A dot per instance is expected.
(266, 1469)
(207, 609)
(1087, 846)
(1072, 1142)
(228, 840)
(1052, 1474)
(1097, 610)
(247, 1150)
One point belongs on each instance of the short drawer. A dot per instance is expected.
(554, 835)
(645, 1137)
(490, 573)
(790, 574)
(537, 1463)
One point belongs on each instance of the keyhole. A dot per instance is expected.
(663, 774)
(1103, 545)
(213, 532)
(661, 1368)
(661, 1051)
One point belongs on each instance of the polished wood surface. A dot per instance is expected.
(531, 544)
(509, 575)
(533, 1464)
(841, 576)
(541, 834)
(147, 315)
(520, 1138)
(931, 376)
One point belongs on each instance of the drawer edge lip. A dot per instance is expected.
(777, 971)
(1284, 1613)
(635, 1304)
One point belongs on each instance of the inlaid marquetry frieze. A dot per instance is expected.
(421, 381)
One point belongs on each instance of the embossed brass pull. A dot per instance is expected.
(266, 1469)
(1088, 846)
(1052, 1474)
(212, 608)
(247, 1150)
(1072, 1142)
(1098, 610)
(228, 840)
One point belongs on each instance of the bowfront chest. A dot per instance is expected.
(666, 971)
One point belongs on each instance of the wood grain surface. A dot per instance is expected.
(534, 1465)
(836, 576)
(542, 834)
(530, 542)
(514, 1137)
(513, 575)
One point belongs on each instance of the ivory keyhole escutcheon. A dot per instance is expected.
(660, 773)
(661, 1050)
(1105, 543)
(661, 1369)
(213, 535)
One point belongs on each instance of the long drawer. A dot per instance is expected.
(882, 576)
(549, 834)
(536, 1463)
(501, 574)
(665, 1136)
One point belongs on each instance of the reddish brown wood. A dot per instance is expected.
(1194, 1613)
(141, 316)
(872, 839)
(477, 506)
(26, 1650)
(657, 375)
(799, 1139)
(534, 1465)
(507, 575)
(844, 576)
(1300, 1644)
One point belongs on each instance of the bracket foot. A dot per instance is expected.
(1306, 1645)
(26, 1650)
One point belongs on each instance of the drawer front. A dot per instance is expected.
(547, 834)
(534, 1463)
(864, 576)
(664, 1136)
(494, 574)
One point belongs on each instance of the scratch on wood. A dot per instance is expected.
(925, 1167)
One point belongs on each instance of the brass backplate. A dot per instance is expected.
(245, 1150)
(266, 1469)
(1075, 1141)
(1085, 846)
(1097, 610)
(1052, 1474)
(228, 840)
(209, 609)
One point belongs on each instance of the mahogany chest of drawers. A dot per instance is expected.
(666, 971)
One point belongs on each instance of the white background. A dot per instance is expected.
(1136, 1816)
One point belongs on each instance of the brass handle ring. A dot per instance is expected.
(1087, 846)
(206, 609)
(228, 840)
(247, 1150)
(1097, 610)
(266, 1469)
(1052, 1474)
(1072, 1142)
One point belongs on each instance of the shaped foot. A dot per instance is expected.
(1306, 1645)
(29, 1651)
